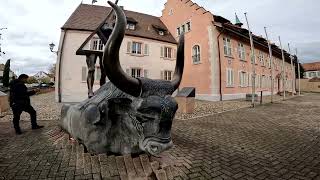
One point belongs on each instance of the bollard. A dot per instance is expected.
(261, 98)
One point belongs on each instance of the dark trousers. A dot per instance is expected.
(18, 109)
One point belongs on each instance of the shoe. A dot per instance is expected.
(37, 127)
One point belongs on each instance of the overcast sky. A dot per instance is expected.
(33, 24)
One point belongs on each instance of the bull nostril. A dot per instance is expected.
(154, 148)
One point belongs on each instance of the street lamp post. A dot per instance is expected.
(51, 46)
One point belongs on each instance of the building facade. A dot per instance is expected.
(218, 56)
(312, 70)
(148, 50)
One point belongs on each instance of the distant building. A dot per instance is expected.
(312, 70)
(11, 74)
(41, 75)
(218, 54)
(148, 50)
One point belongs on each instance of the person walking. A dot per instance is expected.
(20, 101)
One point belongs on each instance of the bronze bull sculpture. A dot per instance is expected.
(127, 115)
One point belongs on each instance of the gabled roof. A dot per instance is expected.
(315, 66)
(89, 17)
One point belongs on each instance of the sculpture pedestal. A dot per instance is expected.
(186, 105)
(4, 103)
(103, 166)
(186, 100)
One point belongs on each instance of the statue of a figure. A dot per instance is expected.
(127, 115)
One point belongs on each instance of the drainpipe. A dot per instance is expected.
(220, 70)
(60, 66)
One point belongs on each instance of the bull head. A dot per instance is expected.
(127, 115)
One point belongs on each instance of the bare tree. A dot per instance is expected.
(52, 70)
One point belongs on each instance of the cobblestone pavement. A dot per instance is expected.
(273, 141)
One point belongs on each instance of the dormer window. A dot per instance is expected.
(161, 33)
(131, 26)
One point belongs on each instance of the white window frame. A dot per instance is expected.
(188, 25)
(241, 51)
(167, 52)
(229, 77)
(131, 26)
(167, 75)
(243, 79)
(196, 54)
(135, 48)
(97, 44)
(136, 72)
(227, 46)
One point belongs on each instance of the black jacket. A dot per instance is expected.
(19, 94)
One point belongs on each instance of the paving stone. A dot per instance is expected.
(87, 163)
(95, 164)
(112, 166)
(129, 166)
(121, 166)
(146, 164)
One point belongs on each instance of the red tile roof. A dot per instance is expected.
(315, 66)
(89, 17)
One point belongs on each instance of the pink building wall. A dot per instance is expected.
(204, 33)
(195, 75)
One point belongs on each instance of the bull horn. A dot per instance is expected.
(111, 62)
(177, 77)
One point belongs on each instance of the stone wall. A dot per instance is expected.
(307, 86)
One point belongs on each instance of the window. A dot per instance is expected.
(227, 46)
(241, 51)
(161, 33)
(171, 12)
(100, 47)
(131, 26)
(166, 52)
(230, 78)
(136, 73)
(188, 24)
(243, 79)
(261, 58)
(97, 45)
(167, 75)
(178, 31)
(183, 28)
(136, 48)
(196, 54)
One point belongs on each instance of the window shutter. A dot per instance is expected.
(145, 73)
(129, 47)
(174, 54)
(161, 53)
(161, 75)
(84, 74)
(146, 49)
(232, 78)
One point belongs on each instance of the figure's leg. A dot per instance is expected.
(103, 73)
(16, 118)
(33, 115)
(91, 62)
